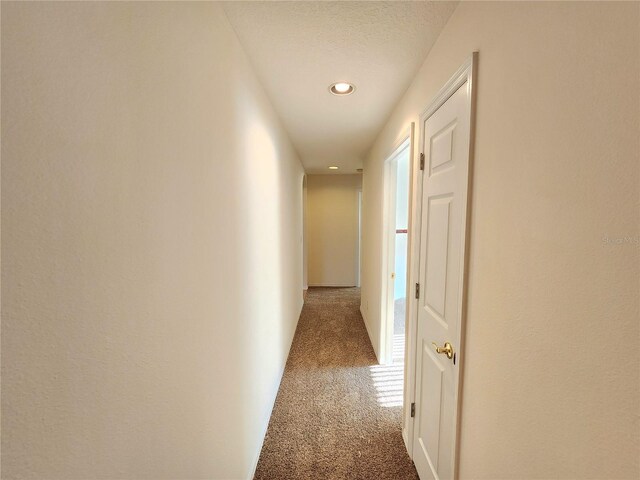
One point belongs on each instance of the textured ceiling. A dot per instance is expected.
(299, 48)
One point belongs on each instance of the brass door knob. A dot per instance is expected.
(447, 349)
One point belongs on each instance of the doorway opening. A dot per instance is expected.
(396, 224)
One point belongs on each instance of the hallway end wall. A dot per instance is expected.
(152, 243)
(552, 288)
(332, 226)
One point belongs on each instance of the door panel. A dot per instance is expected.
(445, 144)
(442, 149)
(437, 253)
(432, 398)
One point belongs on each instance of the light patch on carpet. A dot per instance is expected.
(388, 381)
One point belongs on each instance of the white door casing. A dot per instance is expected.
(446, 132)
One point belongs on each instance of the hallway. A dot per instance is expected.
(455, 184)
(332, 417)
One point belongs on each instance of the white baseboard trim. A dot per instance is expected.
(252, 472)
(254, 464)
(366, 325)
(334, 285)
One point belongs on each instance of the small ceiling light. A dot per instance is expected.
(342, 88)
(333, 168)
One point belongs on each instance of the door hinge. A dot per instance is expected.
(413, 410)
(417, 290)
(422, 161)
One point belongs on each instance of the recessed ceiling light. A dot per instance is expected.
(333, 168)
(342, 88)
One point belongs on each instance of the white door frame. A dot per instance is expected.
(466, 73)
(359, 240)
(388, 244)
(305, 283)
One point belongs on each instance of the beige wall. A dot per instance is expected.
(332, 227)
(551, 382)
(151, 254)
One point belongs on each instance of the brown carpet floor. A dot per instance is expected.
(327, 422)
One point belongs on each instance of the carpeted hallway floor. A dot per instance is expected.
(330, 420)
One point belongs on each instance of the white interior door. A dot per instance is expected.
(446, 149)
